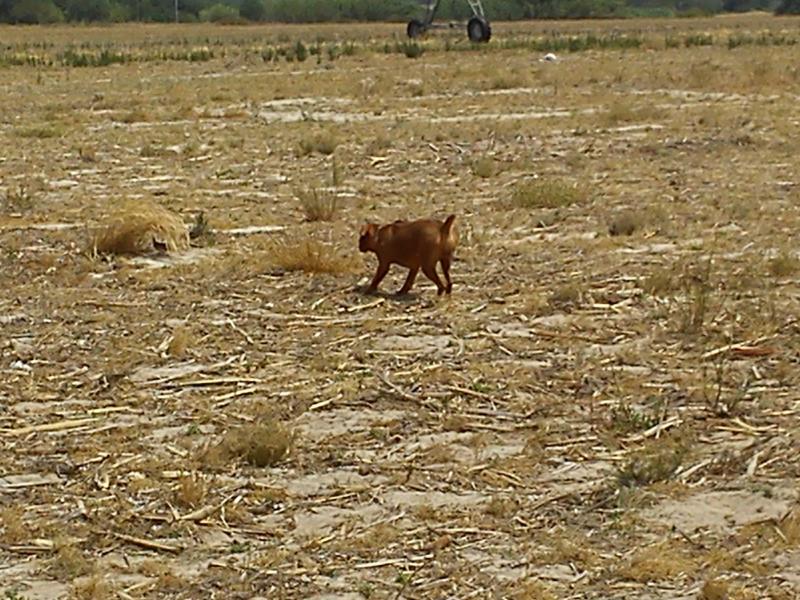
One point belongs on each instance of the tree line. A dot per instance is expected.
(306, 11)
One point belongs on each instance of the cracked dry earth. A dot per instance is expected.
(587, 416)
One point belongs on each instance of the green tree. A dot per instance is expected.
(220, 13)
(253, 10)
(35, 11)
(788, 7)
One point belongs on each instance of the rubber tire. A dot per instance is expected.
(415, 28)
(478, 30)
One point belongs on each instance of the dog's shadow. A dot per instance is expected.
(407, 298)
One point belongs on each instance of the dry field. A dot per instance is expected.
(605, 408)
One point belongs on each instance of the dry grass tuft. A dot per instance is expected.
(310, 256)
(323, 142)
(141, 228)
(180, 341)
(790, 526)
(539, 193)
(625, 223)
(12, 526)
(69, 561)
(656, 462)
(484, 167)
(658, 562)
(191, 492)
(714, 589)
(318, 204)
(261, 445)
(783, 265)
(92, 588)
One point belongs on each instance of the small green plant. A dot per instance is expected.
(411, 49)
(19, 199)
(626, 419)
(538, 193)
(318, 204)
(300, 51)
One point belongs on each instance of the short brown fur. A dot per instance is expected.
(412, 244)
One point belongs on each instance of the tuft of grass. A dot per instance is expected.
(484, 167)
(19, 199)
(92, 588)
(318, 204)
(69, 562)
(309, 256)
(411, 49)
(714, 589)
(41, 131)
(13, 526)
(191, 492)
(658, 562)
(140, 228)
(551, 193)
(180, 341)
(566, 295)
(783, 265)
(656, 462)
(261, 445)
(625, 223)
(323, 142)
(626, 419)
(659, 282)
(200, 232)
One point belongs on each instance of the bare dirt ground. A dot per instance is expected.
(606, 407)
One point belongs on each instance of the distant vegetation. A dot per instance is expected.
(304, 11)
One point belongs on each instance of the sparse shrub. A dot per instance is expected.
(540, 193)
(318, 204)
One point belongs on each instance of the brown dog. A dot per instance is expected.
(412, 244)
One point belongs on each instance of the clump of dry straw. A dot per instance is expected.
(140, 227)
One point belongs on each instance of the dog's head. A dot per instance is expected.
(366, 237)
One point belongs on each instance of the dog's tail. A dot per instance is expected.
(449, 234)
